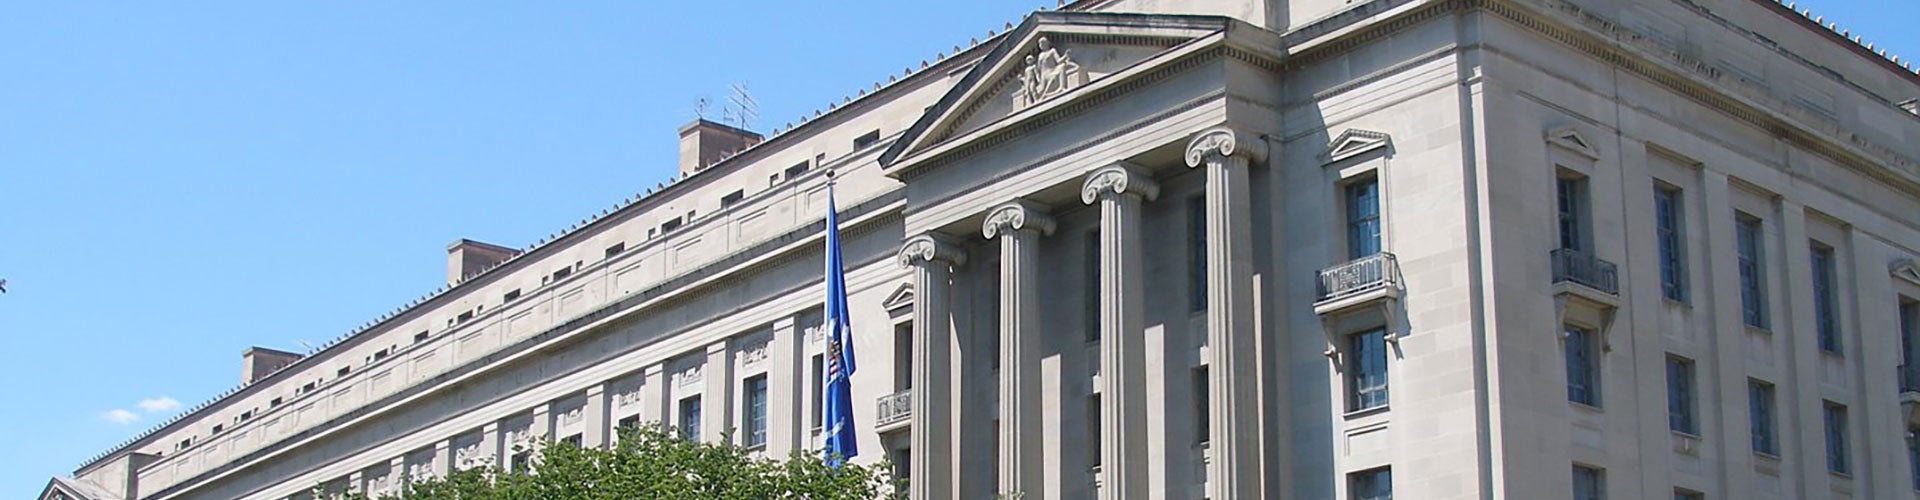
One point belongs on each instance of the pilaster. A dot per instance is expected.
(785, 389)
(1119, 191)
(932, 258)
(597, 413)
(716, 401)
(1234, 442)
(1018, 225)
(653, 395)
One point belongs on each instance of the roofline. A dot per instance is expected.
(1807, 20)
(632, 206)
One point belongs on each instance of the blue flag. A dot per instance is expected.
(838, 404)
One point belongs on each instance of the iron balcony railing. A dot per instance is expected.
(1909, 378)
(1357, 276)
(894, 408)
(1583, 268)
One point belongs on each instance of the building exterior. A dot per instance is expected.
(1301, 249)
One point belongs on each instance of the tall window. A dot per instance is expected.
(1673, 250)
(1839, 450)
(903, 356)
(1093, 430)
(755, 411)
(1583, 366)
(1913, 455)
(1825, 313)
(1909, 329)
(1753, 285)
(1375, 484)
(816, 372)
(1363, 218)
(1202, 401)
(1367, 370)
(1680, 414)
(1572, 201)
(1760, 416)
(690, 418)
(1197, 253)
(1090, 272)
(1589, 483)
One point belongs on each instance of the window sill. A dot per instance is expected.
(1357, 414)
(1759, 330)
(1766, 463)
(1586, 407)
(1677, 303)
(1832, 354)
(1686, 443)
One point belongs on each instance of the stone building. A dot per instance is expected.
(1298, 249)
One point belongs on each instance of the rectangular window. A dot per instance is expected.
(903, 356)
(798, 170)
(626, 425)
(1376, 484)
(575, 440)
(671, 224)
(1760, 415)
(1367, 370)
(755, 409)
(1090, 273)
(1680, 494)
(616, 249)
(690, 418)
(1093, 430)
(865, 140)
(1589, 483)
(1202, 402)
(1753, 285)
(510, 295)
(1363, 218)
(816, 372)
(1571, 194)
(733, 198)
(420, 337)
(1913, 456)
(1839, 449)
(520, 463)
(1197, 254)
(1583, 366)
(1825, 306)
(1680, 396)
(562, 273)
(1673, 249)
(1909, 330)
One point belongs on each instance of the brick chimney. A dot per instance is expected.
(703, 143)
(257, 362)
(467, 257)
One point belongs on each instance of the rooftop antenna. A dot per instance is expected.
(700, 108)
(742, 109)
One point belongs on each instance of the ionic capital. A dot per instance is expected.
(1220, 143)
(1118, 179)
(1017, 215)
(930, 248)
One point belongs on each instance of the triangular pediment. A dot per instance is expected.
(901, 298)
(1050, 59)
(1906, 269)
(68, 489)
(1571, 139)
(1355, 143)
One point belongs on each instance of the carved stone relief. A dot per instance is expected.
(1048, 72)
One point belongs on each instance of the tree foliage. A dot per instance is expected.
(653, 462)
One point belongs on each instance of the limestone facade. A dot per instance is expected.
(1213, 249)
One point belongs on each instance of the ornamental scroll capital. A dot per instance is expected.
(1017, 215)
(929, 248)
(1118, 179)
(1220, 143)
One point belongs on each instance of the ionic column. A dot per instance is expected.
(1119, 189)
(1019, 225)
(596, 414)
(1235, 439)
(932, 258)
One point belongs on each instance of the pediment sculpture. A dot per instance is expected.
(1048, 72)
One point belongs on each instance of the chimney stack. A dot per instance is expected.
(467, 257)
(703, 143)
(257, 362)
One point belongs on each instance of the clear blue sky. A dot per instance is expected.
(179, 182)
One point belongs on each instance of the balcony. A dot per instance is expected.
(1581, 268)
(1356, 282)
(893, 410)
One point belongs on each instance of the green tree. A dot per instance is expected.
(654, 462)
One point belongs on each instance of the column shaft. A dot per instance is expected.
(1119, 190)
(931, 435)
(1234, 442)
(1018, 226)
